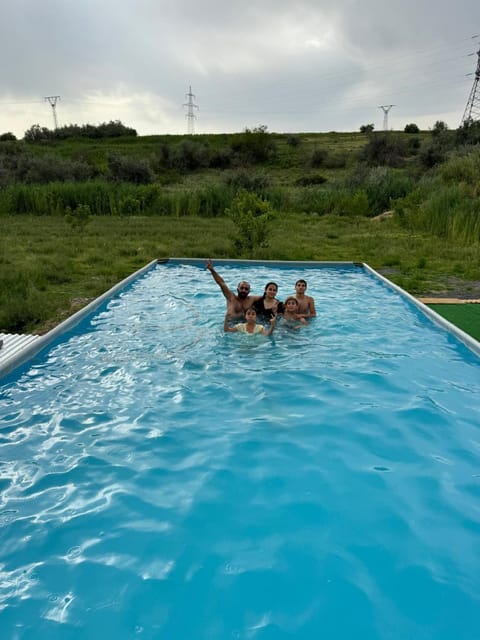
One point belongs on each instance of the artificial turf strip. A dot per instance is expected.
(464, 316)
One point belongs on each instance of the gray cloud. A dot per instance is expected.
(295, 66)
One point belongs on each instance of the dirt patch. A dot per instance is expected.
(452, 287)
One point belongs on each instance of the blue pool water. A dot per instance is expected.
(162, 479)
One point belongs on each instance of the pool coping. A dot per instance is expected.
(33, 347)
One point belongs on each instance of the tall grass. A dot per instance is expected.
(447, 205)
(105, 198)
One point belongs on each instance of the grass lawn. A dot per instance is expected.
(464, 316)
(48, 270)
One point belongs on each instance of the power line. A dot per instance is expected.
(190, 115)
(52, 100)
(385, 108)
(472, 110)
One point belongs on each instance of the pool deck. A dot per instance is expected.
(13, 344)
(448, 301)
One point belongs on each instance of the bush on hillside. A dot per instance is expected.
(189, 156)
(112, 129)
(47, 168)
(312, 179)
(468, 133)
(129, 169)
(8, 137)
(385, 149)
(254, 145)
(255, 183)
(318, 158)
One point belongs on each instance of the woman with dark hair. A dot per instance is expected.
(268, 306)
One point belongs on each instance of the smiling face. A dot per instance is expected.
(291, 305)
(271, 290)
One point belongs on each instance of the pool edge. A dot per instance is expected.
(465, 338)
(38, 345)
(34, 348)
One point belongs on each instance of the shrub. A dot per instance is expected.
(431, 154)
(411, 128)
(314, 178)
(468, 133)
(50, 168)
(36, 133)
(254, 145)
(242, 179)
(129, 169)
(352, 205)
(79, 217)
(221, 158)
(293, 141)
(384, 149)
(251, 216)
(367, 128)
(318, 157)
(8, 137)
(189, 156)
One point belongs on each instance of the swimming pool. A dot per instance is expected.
(162, 479)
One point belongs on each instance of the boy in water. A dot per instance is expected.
(306, 304)
(291, 317)
(250, 326)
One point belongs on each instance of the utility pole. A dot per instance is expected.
(472, 110)
(385, 108)
(190, 115)
(52, 100)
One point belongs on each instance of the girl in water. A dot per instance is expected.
(250, 326)
(268, 306)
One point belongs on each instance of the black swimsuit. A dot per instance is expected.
(266, 314)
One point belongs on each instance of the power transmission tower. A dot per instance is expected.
(190, 115)
(385, 108)
(472, 110)
(52, 100)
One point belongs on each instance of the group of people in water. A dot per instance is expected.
(295, 311)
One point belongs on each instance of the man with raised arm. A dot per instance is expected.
(237, 303)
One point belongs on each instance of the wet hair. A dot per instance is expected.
(250, 309)
(266, 287)
(290, 298)
(302, 281)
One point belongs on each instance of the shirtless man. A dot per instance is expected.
(237, 303)
(306, 304)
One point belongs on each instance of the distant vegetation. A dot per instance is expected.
(255, 182)
(113, 172)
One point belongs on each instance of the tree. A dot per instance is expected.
(36, 133)
(411, 128)
(254, 145)
(251, 216)
(367, 128)
(439, 127)
(7, 137)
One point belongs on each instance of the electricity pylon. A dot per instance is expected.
(52, 100)
(472, 110)
(190, 115)
(385, 108)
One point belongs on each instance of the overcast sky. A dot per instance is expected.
(293, 65)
